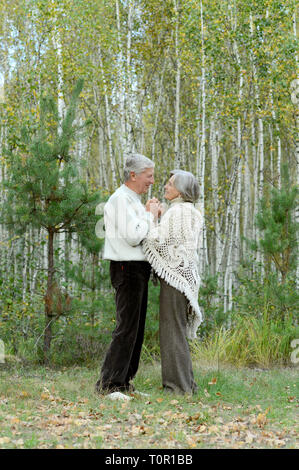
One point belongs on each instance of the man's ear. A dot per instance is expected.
(133, 175)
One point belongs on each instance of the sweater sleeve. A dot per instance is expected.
(159, 234)
(128, 220)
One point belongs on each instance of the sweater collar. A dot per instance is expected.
(176, 200)
(131, 192)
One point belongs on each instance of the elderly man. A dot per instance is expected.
(127, 223)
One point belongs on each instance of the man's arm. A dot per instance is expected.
(123, 220)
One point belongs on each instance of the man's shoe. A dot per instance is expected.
(118, 396)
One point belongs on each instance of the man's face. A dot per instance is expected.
(143, 180)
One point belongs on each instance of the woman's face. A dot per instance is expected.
(170, 190)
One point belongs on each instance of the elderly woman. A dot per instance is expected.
(171, 248)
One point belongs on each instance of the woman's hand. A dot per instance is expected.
(153, 206)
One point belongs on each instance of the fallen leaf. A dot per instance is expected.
(213, 381)
(201, 428)
(15, 421)
(261, 419)
(4, 440)
(45, 396)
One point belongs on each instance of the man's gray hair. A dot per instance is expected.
(137, 163)
(186, 184)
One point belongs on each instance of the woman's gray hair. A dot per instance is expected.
(186, 184)
(137, 163)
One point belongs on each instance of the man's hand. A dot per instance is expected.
(149, 202)
(153, 206)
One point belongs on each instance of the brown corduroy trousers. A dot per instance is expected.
(177, 372)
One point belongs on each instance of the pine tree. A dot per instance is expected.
(278, 227)
(275, 293)
(44, 189)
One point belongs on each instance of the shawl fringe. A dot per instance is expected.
(195, 317)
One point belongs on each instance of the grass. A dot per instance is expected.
(251, 341)
(234, 408)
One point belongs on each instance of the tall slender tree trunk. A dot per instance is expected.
(295, 101)
(108, 121)
(201, 158)
(214, 181)
(247, 229)
(121, 90)
(177, 156)
(49, 296)
(61, 239)
(130, 145)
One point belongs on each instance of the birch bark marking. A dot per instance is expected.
(154, 133)
(203, 255)
(259, 160)
(246, 198)
(4, 233)
(278, 163)
(61, 239)
(177, 156)
(295, 101)
(128, 86)
(214, 181)
(160, 96)
(108, 120)
(237, 237)
(121, 89)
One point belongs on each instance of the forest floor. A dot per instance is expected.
(44, 408)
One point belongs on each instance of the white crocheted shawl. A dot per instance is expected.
(171, 247)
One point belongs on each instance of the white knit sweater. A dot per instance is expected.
(126, 224)
(172, 249)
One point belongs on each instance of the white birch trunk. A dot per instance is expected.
(61, 109)
(214, 181)
(177, 156)
(259, 161)
(102, 160)
(295, 101)
(108, 120)
(203, 255)
(237, 235)
(278, 162)
(155, 128)
(130, 147)
(121, 90)
(247, 232)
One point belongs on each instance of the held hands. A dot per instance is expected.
(154, 206)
